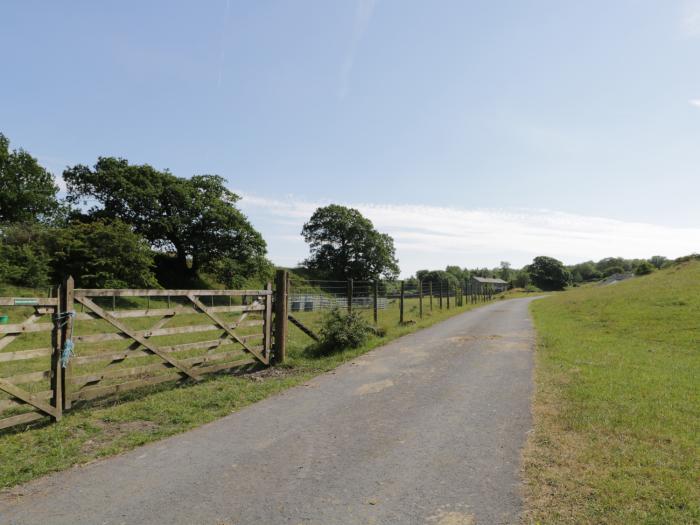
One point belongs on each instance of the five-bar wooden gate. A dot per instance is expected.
(100, 342)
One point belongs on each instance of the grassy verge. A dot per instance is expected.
(116, 425)
(617, 408)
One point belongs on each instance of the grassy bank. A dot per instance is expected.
(617, 408)
(119, 424)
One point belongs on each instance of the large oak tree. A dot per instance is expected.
(345, 245)
(196, 218)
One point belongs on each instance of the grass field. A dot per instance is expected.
(116, 424)
(617, 408)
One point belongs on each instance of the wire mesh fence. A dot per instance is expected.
(383, 303)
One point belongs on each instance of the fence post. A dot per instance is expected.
(430, 291)
(350, 293)
(401, 304)
(281, 294)
(448, 295)
(376, 302)
(66, 308)
(267, 333)
(56, 370)
(420, 298)
(440, 297)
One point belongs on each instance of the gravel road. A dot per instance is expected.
(427, 429)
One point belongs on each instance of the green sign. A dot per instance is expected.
(26, 302)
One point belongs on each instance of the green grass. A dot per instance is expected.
(114, 425)
(617, 407)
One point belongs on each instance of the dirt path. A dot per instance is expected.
(427, 429)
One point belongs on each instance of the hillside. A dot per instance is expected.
(617, 409)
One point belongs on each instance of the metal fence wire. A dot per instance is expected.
(383, 303)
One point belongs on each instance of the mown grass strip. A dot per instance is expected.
(617, 407)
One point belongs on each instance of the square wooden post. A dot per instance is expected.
(401, 304)
(281, 294)
(448, 295)
(267, 329)
(430, 291)
(440, 297)
(67, 309)
(420, 298)
(376, 302)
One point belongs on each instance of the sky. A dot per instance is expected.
(473, 132)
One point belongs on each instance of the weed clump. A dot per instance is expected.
(343, 330)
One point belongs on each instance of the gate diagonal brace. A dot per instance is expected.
(141, 340)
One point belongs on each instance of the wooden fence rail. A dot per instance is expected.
(84, 344)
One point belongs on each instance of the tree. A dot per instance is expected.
(438, 277)
(522, 279)
(658, 261)
(196, 218)
(505, 271)
(24, 259)
(612, 270)
(345, 245)
(644, 268)
(27, 191)
(94, 254)
(549, 274)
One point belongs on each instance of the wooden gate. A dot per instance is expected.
(119, 347)
(85, 344)
(30, 379)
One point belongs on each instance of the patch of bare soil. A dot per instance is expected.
(270, 372)
(113, 430)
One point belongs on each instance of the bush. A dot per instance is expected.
(548, 274)
(613, 270)
(343, 330)
(644, 268)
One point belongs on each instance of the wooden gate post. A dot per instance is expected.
(56, 370)
(401, 304)
(281, 294)
(350, 293)
(376, 300)
(420, 298)
(67, 321)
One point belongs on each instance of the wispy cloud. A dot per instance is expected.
(363, 15)
(431, 236)
(690, 19)
(695, 102)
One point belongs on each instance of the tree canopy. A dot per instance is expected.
(196, 219)
(548, 273)
(27, 190)
(345, 245)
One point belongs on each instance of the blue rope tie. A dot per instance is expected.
(68, 346)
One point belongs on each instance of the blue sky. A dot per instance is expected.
(473, 132)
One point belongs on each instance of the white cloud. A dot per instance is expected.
(433, 237)
(690, 19)
(695, 102)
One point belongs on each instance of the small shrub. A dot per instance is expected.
(343, 330)
(644, 268)
(531, 288)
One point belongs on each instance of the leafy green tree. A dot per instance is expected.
(644, 268)
(612, 270)
(521, 279)
(505, 271)
(27, 191)
(437, 277)
(658, 261)
(345, 245)
(586, 270)
(548, 273)
(196, 218)
(24, 258)
(102, 254)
